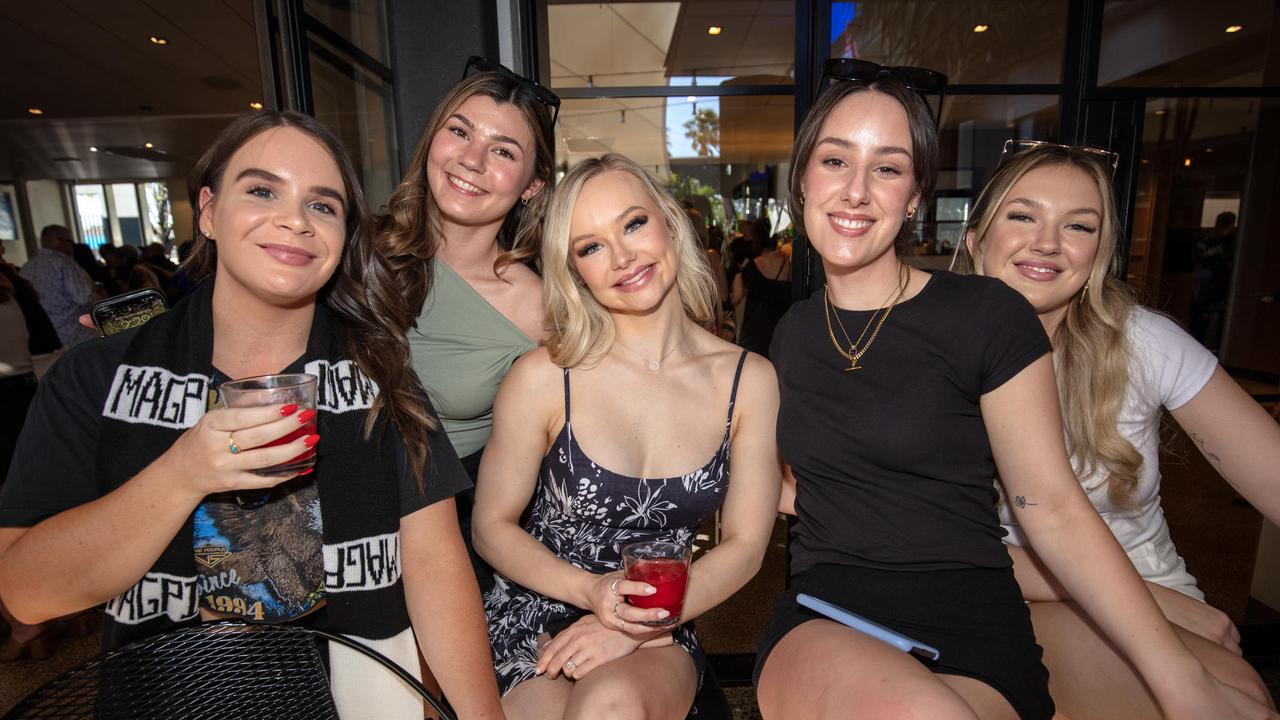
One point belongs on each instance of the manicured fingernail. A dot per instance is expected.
(311, 440)
(663, 614)
(308, 471)
(649, 590)
(306, 416)
(287, 410)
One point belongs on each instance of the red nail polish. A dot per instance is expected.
(306, 416)
(308, 471)
(311, 440)
(287, 410)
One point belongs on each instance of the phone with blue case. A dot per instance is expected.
(863, 625)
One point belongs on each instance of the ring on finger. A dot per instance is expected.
(615, 609)
(569, 665)
(231, 444)
(613, 586)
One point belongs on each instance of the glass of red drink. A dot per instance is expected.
(298, 389)
(663, 565)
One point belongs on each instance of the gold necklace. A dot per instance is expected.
(655, 366)
(855, 353)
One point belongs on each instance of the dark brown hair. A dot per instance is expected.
(362, 293)
(409, 233)
(925, 152)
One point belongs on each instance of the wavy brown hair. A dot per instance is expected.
(409, 234)
(1090, 349)
(362, 293)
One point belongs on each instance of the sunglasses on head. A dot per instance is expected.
(922, 80)
(1013, 147)
(548, 98)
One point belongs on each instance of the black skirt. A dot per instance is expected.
(976, 618)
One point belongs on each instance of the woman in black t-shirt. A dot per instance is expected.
(125, 455)
(902, 393)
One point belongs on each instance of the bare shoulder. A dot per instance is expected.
(758, 382)
(531, 380)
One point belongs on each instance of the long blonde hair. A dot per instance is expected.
(1090, 349)
(409, 233)
(581, 328)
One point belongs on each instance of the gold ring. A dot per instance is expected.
(231, 445)
(613, 586)
(615, 610)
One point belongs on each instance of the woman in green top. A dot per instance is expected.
(462, 231)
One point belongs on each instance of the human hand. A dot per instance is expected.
(1203, 696)
(202, 459)
(608, 601)
(585, 646)
(1200, 618)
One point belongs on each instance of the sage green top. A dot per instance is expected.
(462, 348)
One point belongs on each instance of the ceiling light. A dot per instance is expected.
(159, 40)
(1208, 149)
(691, 98)
(1160, 112)
(255, 105)
(1186, 162)
(93, 148)
(981, 28)
(715, 30)
(147, 145)
(1234, 28)
(35, 111)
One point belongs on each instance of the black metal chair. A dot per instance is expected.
(214, 670)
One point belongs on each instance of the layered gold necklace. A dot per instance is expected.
(855, 353)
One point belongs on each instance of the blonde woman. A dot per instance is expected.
(619, 430)
(1045, 224)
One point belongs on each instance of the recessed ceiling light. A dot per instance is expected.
(1160, 112)
(1208, 149)
(255, 105)
(715, 30)
(93, 148)
(147, 145)
(981, 28)
(35, 111)
(159, 40)
(1234, 28)
(1186, 162)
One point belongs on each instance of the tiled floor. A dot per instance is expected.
(1215, 530)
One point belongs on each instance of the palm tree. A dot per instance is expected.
(703, 129)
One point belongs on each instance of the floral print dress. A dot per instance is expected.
(584, 514)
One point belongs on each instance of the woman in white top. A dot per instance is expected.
(1045, 224)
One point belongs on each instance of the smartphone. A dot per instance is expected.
(129, 310)
(863, 625)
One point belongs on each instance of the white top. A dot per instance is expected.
(14, 357)
(1167, 368)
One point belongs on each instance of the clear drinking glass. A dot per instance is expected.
(663, 565)
(299, 389)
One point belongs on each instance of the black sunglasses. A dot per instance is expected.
(548, 98)
(922, 80)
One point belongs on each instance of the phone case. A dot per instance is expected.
(863, 625)
(126, 311)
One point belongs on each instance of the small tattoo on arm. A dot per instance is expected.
(1209, 455)
(1021, 501)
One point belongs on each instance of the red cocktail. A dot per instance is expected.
(663, 565)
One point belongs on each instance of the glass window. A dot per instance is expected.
(973, 131)
(124, 197)
(1185, 43)
(1203, 248)
(91, 209)
(357, 105)
(977, 42)
(363, 22)
(670, 43)
(725, 156)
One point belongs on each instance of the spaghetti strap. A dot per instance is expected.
(566, 396)
(733, 393)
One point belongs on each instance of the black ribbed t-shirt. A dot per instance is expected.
(892, 461)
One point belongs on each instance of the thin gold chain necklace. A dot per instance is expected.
(855, 353)
(655, 366)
